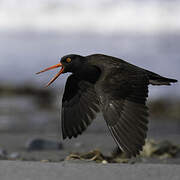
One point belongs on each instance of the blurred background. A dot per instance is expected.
(34, 34)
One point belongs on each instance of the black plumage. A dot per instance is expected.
(118, 89)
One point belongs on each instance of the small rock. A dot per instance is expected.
(43, 144)
(3, 154)
(14, 156)
(104, 162)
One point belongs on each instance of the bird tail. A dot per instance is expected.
(156, 79)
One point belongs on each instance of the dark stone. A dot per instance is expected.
(43, 144)
(3, 154)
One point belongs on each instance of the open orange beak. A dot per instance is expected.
(56, 76)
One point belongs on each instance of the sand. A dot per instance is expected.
(18, 170)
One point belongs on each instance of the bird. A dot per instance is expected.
(112, 86)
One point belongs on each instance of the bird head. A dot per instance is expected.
(72, 63)
(69, 63)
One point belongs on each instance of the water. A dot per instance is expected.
(24, 53)
(101, 16)
(34, 33)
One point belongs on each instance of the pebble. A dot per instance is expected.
(104, 162)
(43, 144)
(14, 156)
(3, 153)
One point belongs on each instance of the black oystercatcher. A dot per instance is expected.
(113, 86)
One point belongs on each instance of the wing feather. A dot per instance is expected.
(79, 106)
(123, 104)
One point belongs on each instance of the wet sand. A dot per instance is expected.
(96, 137)
(19, 124)
(18, 170)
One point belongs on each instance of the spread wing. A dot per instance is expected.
(79, 105)
(123, 95)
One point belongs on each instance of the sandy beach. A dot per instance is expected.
(35, 35)
(17, 170)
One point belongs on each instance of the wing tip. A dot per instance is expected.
(64, 136)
